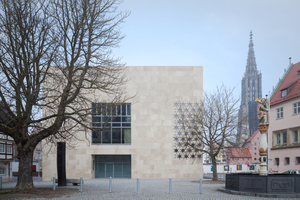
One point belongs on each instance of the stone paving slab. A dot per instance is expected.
(149, 189)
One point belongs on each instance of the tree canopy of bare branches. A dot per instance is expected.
(55, 56)
(209, 125)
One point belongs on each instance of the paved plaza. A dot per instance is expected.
(149, 189)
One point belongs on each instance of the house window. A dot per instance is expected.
(9, 149)
(277, 138)
(254, 158)
(255, 154)
(111, 124)
(254, 143)
(248, 159)
(287, 161)
(284, 138)
(2, 148)
(2, 171)
(284, 92)
(298, 160)
(237, 158)
(295, 136)
(243, 158)
(254, 148)
(279, 112)
(257, 138)
(232, 158)
(296, 107)
(276, 162)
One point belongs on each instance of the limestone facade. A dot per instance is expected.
(155, 90)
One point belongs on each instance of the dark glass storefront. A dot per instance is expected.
(115, 166)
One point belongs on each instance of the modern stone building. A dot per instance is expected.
(251, 89)
(139, 142)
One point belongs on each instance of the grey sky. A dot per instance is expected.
(213, 34)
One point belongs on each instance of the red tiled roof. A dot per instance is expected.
(291, 78)
(239, 153)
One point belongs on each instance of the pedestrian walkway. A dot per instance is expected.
(149, 189)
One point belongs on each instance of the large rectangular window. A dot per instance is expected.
(279, 112)
(2, 148)
(278, 139)
(296, 107)
(284, 138)
(295, 136)
(111, 123)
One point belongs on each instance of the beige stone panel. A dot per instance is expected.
(151, 149)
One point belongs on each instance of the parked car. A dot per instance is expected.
(292, 172)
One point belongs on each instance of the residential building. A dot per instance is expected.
(251, 89)
(221, 157)
(239, 156)
(139, 142)
(6, 157)
(252, 144)
(284, 129)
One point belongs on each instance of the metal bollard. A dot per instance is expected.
(53, 182)
(0, 182)
(80, 184)
(138, 185)
(110, 184)
(200, 185)
(170, 186)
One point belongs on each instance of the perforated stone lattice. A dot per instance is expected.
(186, 131)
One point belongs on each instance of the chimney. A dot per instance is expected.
(290, 58)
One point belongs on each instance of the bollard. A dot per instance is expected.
(80, 184)
(200, 185)
(170, 186)
(109, 184)
(53, 182)
(138, 185)
(0, 182)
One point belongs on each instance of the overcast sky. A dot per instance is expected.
(213, 34)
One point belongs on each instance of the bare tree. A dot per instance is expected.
(55, 56)
(208, 125)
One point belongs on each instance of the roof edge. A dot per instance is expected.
(281, 80)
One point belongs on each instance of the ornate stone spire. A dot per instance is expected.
(251, 63)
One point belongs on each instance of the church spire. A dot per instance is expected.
(251, 63)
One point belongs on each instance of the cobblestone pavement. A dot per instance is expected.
(149, 189)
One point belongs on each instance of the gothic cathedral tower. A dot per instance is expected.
(251, 89)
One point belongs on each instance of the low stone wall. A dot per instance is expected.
(273, 183)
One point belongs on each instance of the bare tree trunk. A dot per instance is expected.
(25, 169)
(215, 174)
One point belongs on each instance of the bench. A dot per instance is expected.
(73, 181)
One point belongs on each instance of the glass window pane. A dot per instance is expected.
(100, 158)
(96, 137)
(126, 170)
(123, 109)
(116, 119)
(126, 119)
(126, 124)
(127, 158)
(106, 136)
(118, 158)
(116, 124)
(109, 158)
(99, 170)
(116, 135)
(109, 170)
(128, 109)
(126, 136)
(118, 170)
